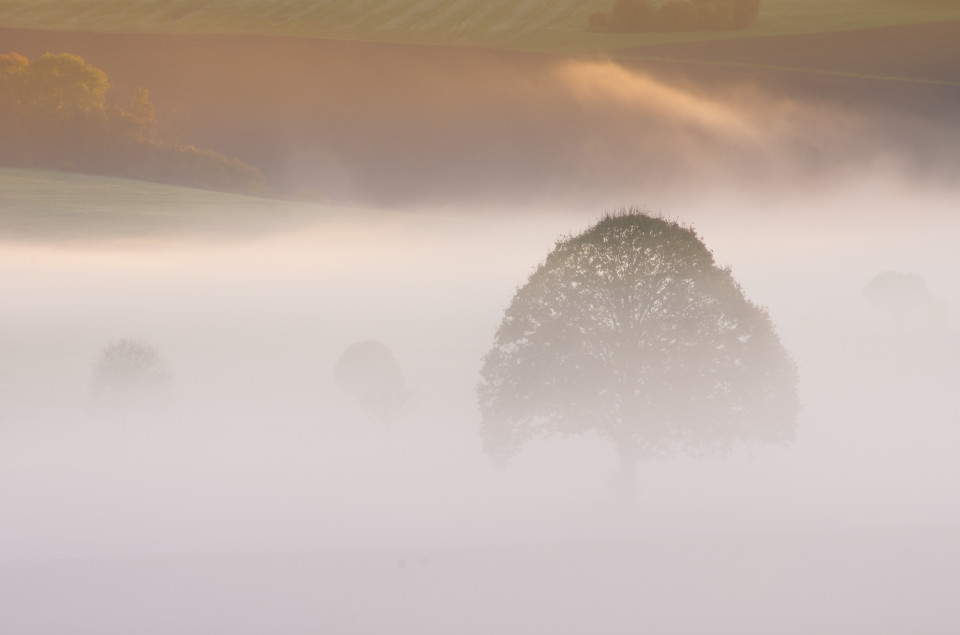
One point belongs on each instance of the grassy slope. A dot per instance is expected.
(543, 25)
(47, 205)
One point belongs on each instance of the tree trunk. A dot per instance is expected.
(626, 478)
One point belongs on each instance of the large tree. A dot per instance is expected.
(632, 331)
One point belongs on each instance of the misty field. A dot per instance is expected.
(124, 523)
(845, 583)
(661, 340)
(542, 25)
(252, 322)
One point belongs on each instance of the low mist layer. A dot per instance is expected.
(262, 450)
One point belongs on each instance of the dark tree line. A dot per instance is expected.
(636, 16)
(54, 114)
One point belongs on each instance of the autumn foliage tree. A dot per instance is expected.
(61, 86)
(54, 114)
(631, 331)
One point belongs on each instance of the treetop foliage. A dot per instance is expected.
(62, 85)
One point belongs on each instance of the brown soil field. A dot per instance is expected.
(929, 52)
(297, 107)
(387, 125)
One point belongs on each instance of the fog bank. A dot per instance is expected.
(261, 452)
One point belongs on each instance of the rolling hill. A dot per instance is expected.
(59, 206)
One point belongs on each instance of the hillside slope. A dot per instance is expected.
(923, 53)
(44, 205)
(546, 25)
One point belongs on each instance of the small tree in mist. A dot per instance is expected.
(904, 298)
(368, 372)
(131, 376)
(631, 330)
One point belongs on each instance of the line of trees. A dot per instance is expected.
(54, 114)
(636, 16)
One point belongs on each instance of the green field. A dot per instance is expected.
(45, 205)
(541, 25)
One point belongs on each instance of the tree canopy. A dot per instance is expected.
(632, 331)
(61, 85)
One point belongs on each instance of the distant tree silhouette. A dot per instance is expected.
(10, 67)
(142, 108)
(130, 376)
(630, 330)
(903, 297)
(368, 372)
(12, 64)
(140, 121)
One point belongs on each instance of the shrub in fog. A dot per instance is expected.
(130, 374)
(904, 298)
(368, 372)
(632, 331)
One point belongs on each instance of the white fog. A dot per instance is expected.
(261, 452)
(260, 456)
